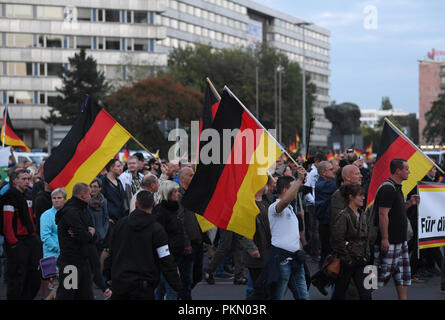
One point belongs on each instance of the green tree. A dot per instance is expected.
(236, 68)
(434, 131)
(138, 107)
(80, 79)
(371, 135)
(386, 104)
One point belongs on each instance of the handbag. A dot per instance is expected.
(48, 267)
(331, 266)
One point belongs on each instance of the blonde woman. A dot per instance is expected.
(166, 213)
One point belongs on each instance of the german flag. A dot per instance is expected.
(126, 155)
(92, 142)
(368, 152)
(393, 144)
(358, 152)
(330, 156)
(8, 134)
(292, 148)
(223, 190)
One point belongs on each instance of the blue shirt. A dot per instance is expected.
(323, 192)
(48, 233)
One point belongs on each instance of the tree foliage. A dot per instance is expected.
(236, 68)
(434, 131)
(138, 107)
(386, 104)
(78, 81)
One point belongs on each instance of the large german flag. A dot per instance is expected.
(8, 134)
(92, 142)
(393, 144)
(223, 189)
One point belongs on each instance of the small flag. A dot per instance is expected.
(126, 155)
(8, 133)
(368, 152)
(330, 156)
(358, 152)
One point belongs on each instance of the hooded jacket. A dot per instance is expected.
(166, 213)
(139, 251)
(74, 217)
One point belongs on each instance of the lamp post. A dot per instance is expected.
(302, 25)
(280, 70)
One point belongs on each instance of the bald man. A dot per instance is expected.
(351, 175)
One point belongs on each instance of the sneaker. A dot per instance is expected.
(209, 278)
(240, 281)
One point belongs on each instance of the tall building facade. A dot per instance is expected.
(431, 84)
(131, 39)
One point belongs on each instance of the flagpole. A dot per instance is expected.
(412, 144)
(213, 87)
(259, 123)
(5, 112)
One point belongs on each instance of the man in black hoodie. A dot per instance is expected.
(76, 238)
(139, 251)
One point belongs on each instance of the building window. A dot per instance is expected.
(19, 11)
(54, 41)
(83, 42)
(84, 14)
(22, 40)
(53, 69)
(21, 97)
(111, 15)
(140, 45)
(140, 17)
(49, 13)
(112, 44)
(52, 98)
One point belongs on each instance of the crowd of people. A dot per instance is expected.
(128, 234)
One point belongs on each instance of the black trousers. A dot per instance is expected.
(348, 272)
(77, 285)
(23, 269)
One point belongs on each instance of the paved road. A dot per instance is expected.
(224, 289)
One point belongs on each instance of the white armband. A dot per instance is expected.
(163, 251)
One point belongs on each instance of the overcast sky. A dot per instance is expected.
(371, 58)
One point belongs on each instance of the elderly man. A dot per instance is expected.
(75, 235)
(149, 183)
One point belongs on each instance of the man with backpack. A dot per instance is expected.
(391, 247)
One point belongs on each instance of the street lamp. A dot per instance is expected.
(302, 25)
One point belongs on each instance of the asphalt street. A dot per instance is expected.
(224, 289)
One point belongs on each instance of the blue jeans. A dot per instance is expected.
(164, 290)
(294, 280)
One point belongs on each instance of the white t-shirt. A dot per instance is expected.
(284, 228)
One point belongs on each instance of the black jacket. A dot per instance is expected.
(261, 240)
(166, 213)
(137, 242)
(192, 230)
(116, 198)
(41, 203)
(74, 217)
